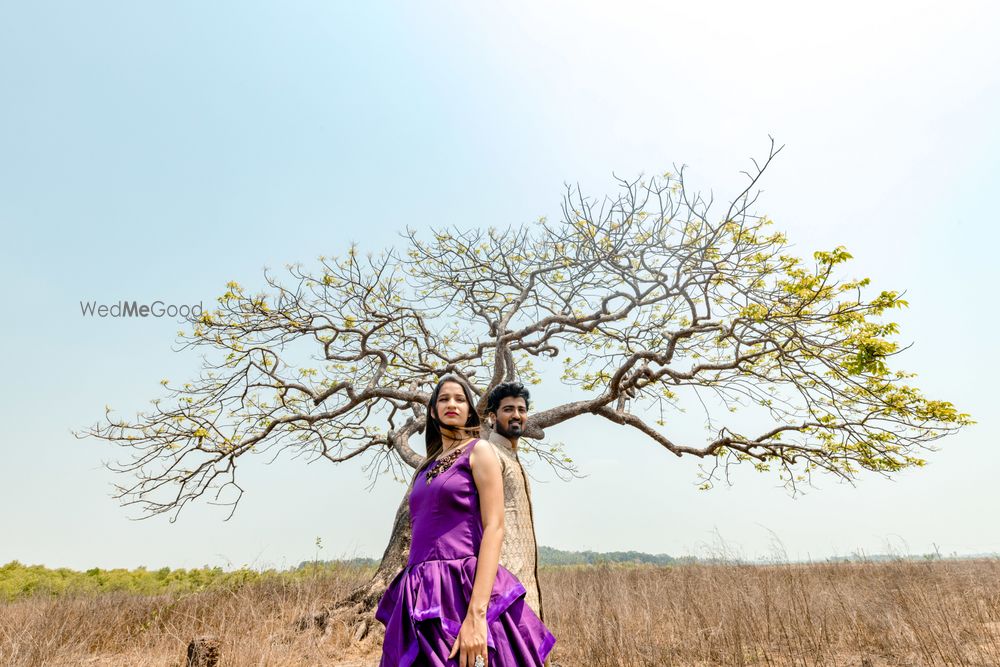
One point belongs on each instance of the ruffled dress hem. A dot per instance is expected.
(439, 589)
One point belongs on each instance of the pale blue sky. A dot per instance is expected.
(157, 150)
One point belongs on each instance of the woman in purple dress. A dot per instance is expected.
(454, 604)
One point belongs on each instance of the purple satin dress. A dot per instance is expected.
(424, 606)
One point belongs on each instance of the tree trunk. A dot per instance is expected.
(357, 609)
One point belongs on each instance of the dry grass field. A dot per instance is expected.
(940, 612)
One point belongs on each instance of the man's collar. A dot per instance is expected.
(502, 441)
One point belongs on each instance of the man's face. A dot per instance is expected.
(511, 417)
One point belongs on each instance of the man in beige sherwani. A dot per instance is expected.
(507, 415)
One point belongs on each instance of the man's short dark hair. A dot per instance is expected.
(507, 390)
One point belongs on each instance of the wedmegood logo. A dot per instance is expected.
(136, 309)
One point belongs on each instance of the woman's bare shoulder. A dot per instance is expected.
(484, 448)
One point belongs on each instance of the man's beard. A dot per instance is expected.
(512, 431)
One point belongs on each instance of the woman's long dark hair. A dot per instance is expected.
(432, 431)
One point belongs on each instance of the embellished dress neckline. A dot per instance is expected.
(444, 463)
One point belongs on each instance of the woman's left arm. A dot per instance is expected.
(489, 482)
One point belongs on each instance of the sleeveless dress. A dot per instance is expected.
(424, 605)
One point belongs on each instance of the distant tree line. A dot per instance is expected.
(18, 580)
(550, 556)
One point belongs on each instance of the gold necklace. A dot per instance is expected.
(447, 452)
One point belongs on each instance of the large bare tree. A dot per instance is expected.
(643, 301)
